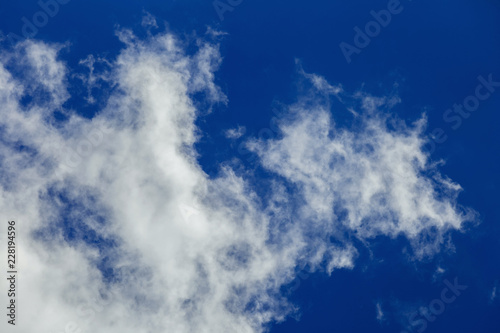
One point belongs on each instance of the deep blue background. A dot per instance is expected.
(433, 51)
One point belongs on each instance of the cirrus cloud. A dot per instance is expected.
(116, 209)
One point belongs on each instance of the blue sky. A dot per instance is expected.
(281, 184)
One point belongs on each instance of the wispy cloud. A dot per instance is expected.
(138, 218)
(380, 313)
(494, 293)
(235, 133)
(370, 179)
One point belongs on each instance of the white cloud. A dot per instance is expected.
(370, 180)
(148, 20)
(93, 79)
(235, 133)
(494, 293)
(380, 313)
(116, 209)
